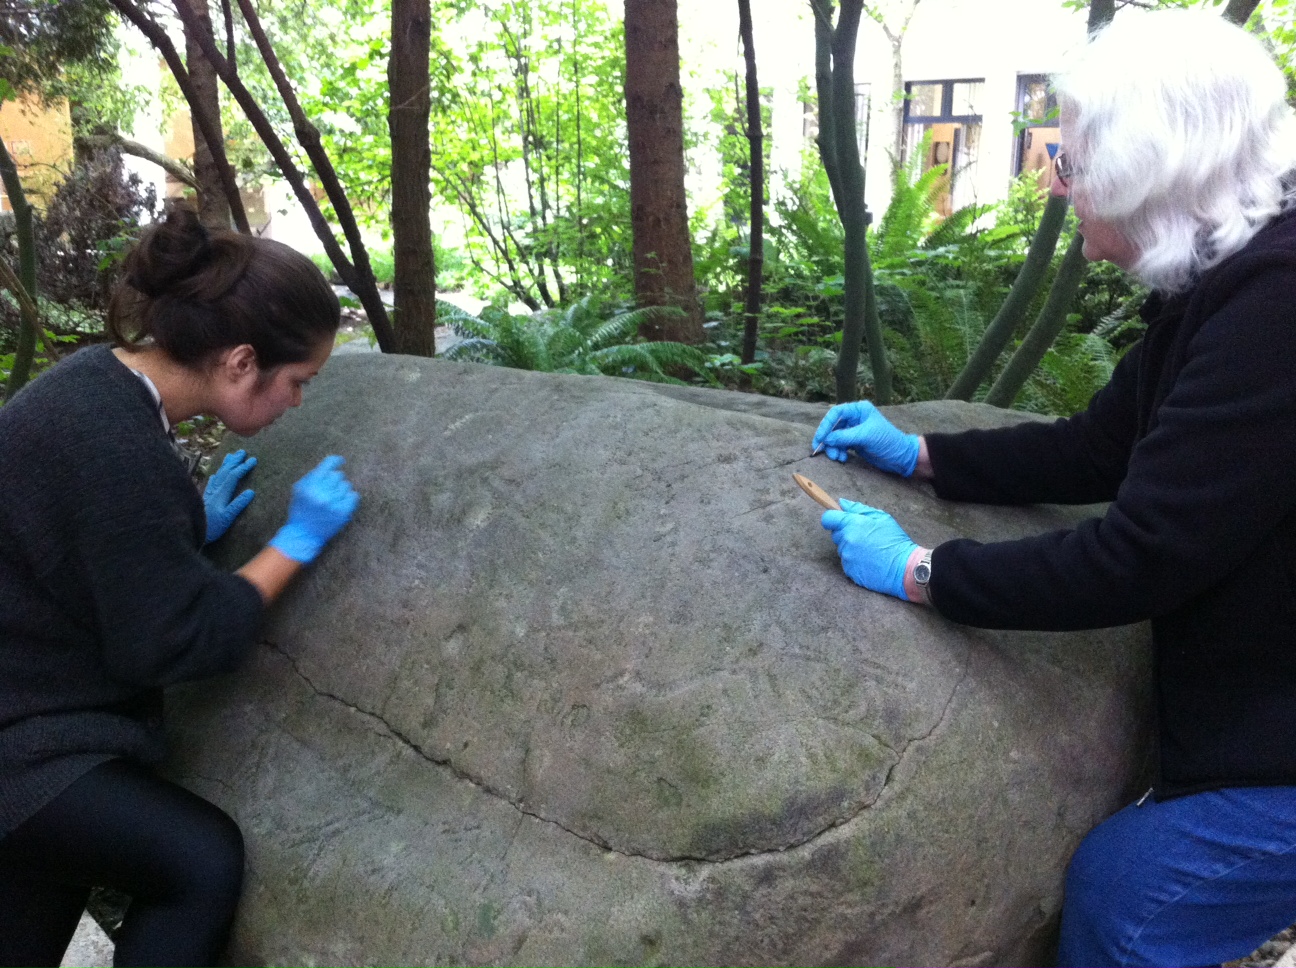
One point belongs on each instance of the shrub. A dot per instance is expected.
(579, 339)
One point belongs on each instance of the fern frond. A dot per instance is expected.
(649, 361)
(618, 329)
(564, 344)
(461, 322)
(472, 350)
(625, 325)
(955, 228)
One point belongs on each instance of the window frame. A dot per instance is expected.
(947, 102)
(1023, 124)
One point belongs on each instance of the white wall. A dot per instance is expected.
(140, 66)
(992, 39)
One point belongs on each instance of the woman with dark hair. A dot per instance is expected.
(107, 598)
(1179, 155)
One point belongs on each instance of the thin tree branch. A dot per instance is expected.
(170, 165)
(26, 307)
(210, 131)
(756, 184)
(358, 276)
(29, 323)
(230, 51)
(308, 137)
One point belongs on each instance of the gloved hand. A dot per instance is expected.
(874, 549)
(219, 502)
(322, 503)
(860, 427)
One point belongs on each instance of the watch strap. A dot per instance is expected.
(922, 575)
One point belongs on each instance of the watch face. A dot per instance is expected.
(922, 572)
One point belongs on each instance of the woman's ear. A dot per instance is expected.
(238, 362)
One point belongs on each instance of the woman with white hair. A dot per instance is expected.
(1179, 155)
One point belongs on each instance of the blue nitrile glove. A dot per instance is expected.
(219, 502)
(322, 503)
(874, 549)
(860, 427)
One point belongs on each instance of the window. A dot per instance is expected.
(809, 119)
(950, 113)
(1039, 134)
(863, 111)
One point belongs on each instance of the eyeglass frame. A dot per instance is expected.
(1063, 170)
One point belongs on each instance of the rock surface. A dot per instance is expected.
(89, 948)
(583, 683)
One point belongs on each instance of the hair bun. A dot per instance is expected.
(169, 253)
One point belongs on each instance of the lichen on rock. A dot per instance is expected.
(583, 683)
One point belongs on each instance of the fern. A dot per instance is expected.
(577, 339)
(955, 229)
(941, 324)
(912, 209)
(911, 222)
(1076, 367)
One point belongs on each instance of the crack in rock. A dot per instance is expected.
(763, 507)
(595, 841)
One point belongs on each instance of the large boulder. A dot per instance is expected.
(583, 683)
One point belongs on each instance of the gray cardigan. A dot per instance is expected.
(105, 596)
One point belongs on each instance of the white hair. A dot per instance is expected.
(1181, 138)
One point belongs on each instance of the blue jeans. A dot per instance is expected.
(1197, 880)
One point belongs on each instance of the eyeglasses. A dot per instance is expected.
(1064, 169)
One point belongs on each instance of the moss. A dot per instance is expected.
(487, 916)
(601, 950)
(669, 740)
(668, 794)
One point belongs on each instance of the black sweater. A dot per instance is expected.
(104, 594)
(1193, 442)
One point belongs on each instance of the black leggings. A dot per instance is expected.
(179, 858)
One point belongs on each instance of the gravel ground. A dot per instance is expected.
(92, 949)
(1279, 952)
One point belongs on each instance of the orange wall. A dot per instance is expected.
(178, 142)
(40, 141)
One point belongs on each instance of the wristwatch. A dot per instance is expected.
(922, 575)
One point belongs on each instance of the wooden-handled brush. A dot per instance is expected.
(821, 497)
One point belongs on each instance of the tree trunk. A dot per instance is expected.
(213, 211)
(827, 140)
(898, 108)
(835, 58)
(358, 276)
(1239, 11)
(756, 142)
(1048, 324)
(25, 350)
(1101, 12)
(1013, 309)
(861, 316)
(663, 254)
(1031, 275)
(85, 130)
(408, 79)
(201, 119)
